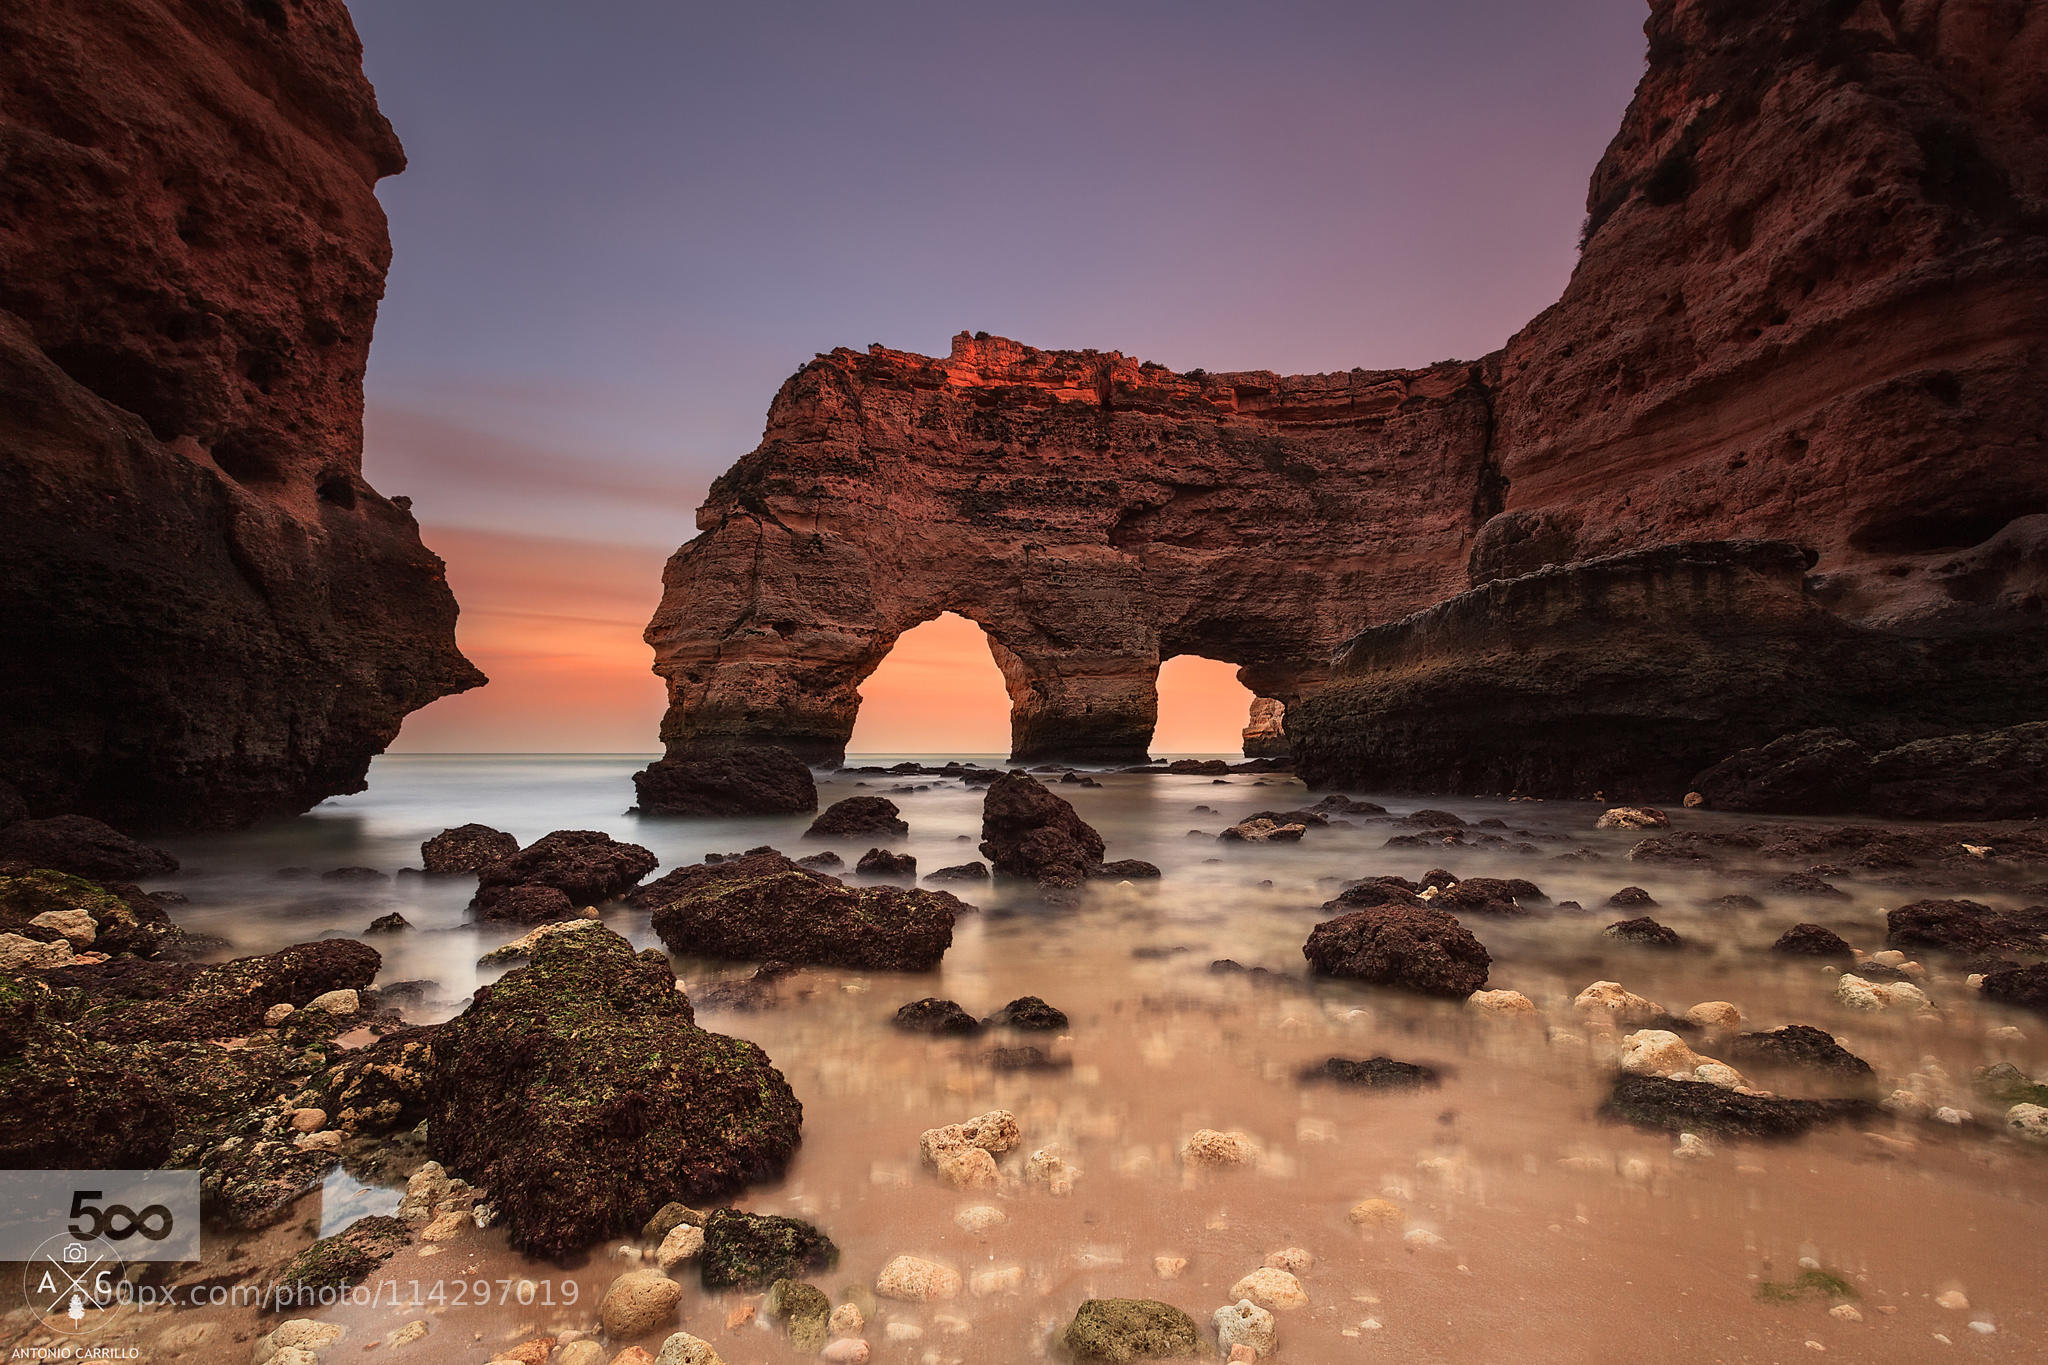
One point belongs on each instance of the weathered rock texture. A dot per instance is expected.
(1812, 308)
(207, 614)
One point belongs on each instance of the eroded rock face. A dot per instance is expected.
(1808, 326)
(208, 615)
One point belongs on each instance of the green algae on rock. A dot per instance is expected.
(346, 1258)
(580, 1092)
(1114, 1331)
(750, 1250)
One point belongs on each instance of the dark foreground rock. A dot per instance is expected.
(1027, 831)
(1415, 948)
(348, 1257)
(580, 1092)
(131, 1000)
(858, 817)
(1372, 1073)
(762, 906)
(1697, 1107)
(1796, 1045)
(880, 862)
(1643, 932)
(125, 919)
(932, 1015)
(1125, 869)
(528, 904)
(753, 1250)
(1989, 775)
(1813, 940)
(1965, 926)
(2021, 987)
(466, 848)
(743, 779)
(1117, 1331)
(1028, 1014)
(84, 847)
(587, 866)
(958, 872)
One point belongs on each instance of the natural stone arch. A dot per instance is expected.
(1091, 513)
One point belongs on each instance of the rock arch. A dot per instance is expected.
(1093, 514)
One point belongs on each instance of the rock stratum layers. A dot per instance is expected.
(207, 614)
(1811, 309)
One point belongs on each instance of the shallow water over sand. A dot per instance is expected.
(1532, 1231)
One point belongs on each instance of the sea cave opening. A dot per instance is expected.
(938, 692)
(1202, 708)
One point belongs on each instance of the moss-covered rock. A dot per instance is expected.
(346, 1258)
(127, 920)
(130, 1000)
(749, 1250)
(378, 1089)
(70, 1102)
(762, 907)
(1115, 1331)
(580, 1092)
(803, 1310)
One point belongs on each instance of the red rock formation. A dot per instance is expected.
(1812, 307)
(1094, 514)
(207, 614)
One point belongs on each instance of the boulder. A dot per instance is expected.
(131, 1000)
(1263, 831)
(2021, 987)
(1029, 832)
(739, 779)
(1630, 897)
(1961, 926)
(1698, 1107)
(393, 923)
(346, 1258)
(1643, 932)
(1632, 817)
(466, 848)
(1807, 772)
(579, 1091)
(1797, 1045)
(932, 1015)
(1417, 949)
(753, 1250)
(858, 817)
(1487, 896)
(1124, 869)
(1117, 1331)
(1813, 940)
(762, 906)
(637, 1304)
(1030, 1014)
(83, 847)
(880, 862)
(802, 1309)
(526, 904)
(1372, 1073)
(1984, 775)
(958, 872)
(125, 919)
(585, 865)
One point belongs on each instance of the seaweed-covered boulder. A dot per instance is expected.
(1122, 869)
(585, 865)
(1372, 1073)
(84, 847)
(858, 817)
(761, 907)
(527, 904)
(1377, 891)
(753, 1250)
(1488, 896)
(1813, 940)
(2022, 987)
(1117, 1331)
(70, 1101)
(579, 1090)
(1700, 1107)
(466, 848)
(1643, 932)
(1413, 947)
(1796, 1045)
(1030, 832)
(880, 862)
(739, 779)
(958, 872)
(1961, 926)
(933, 1015)
(125, 919)
(348, 1257)
(1029, 1014)
(131, 1000)
(379, 1089)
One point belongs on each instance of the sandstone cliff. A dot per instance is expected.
(207, 614)
(1812, 308)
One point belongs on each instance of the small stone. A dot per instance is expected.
(408, 1334)
(19, 953)
(1212, 1149)
(1377, 1213)
(980, 1218)
(1270, 1288)
(1169, 1267)
(446, 1227)
(277, 1014)
(1983, 1328)
(296, 1334)
(1242, 1354)
(2029, 1121)
(680, 1349)
(1845, 1312)
(1245, 1324)
(1501, 1004)
(846, 1351)
(76, 926)
(1906, 1105)
(637, 1303)
(1293, 1260)
(1048, 1167)
(1954, 1300)
(1691, 1147)
(1714, 1014)
(1608, 1001)
(336, 1002)
(318, 1142)
(1423, 1239)
(910, 1279)
(802, 1309)
(309, 1120)
(1855, 993)
(683, 1243)
(996, 1280)
(846, 1321)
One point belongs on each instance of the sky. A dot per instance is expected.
(624, 225)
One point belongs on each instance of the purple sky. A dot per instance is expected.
(626, 223)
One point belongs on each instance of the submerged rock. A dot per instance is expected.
(1373, 1073)
(1117, 1331)
(1027, 831)
(579, 1091)
(1799, 1045)
(958, 872)
(83, 847)
(1418, 949)
(753, 1250)
(529, 904)
(1632, 817)
(1813, 940)
(857, 816)
(1962, 926)
(129, 1000)
(1260, 830)
(348, 1257)
(1131, 869)
(932, 1015)
(880, 862)
(124, 919)
(2022, 987)
(587, 866)
(1698, 1107)
(466, 848)
(1643, 932)
(1030, 1014)
(739, 779)
(762, 906)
